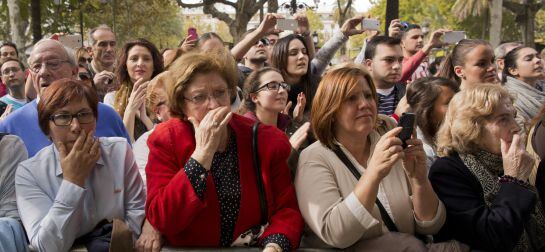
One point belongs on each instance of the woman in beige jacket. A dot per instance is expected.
(341, 210)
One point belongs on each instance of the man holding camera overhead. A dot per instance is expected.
(414, 49)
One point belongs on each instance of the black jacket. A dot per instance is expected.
(469, 219)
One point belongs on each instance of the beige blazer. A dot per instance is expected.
(324, 187)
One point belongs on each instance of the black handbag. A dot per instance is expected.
(385, 217)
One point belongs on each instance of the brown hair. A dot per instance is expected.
(457, 58)
(279, 60)
(59, 94)
(4, 61)
(122, 95)
(80, 52)
(421, 97)
(184, 69)
(333, 90)
(251, 84)
(463, 127)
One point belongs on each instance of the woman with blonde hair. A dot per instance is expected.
(354, 186)
(482, 175)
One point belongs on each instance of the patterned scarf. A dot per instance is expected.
(487, 168)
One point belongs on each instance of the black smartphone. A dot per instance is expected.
(407, 121)
(3, 107)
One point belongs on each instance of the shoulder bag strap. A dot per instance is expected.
(259, 178)
(385, 217)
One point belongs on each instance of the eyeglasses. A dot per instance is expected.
(264, 41)
(275, 86)
(7, 71)
(66, 119)
(200, 99)
(52, 64)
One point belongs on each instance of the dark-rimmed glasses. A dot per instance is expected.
(275, 86)
(66, 119)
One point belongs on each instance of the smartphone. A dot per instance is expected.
(71, 41)
(192, 33)
(286, 24)
(370, 24)
(454, 37)
(407, 121)
(3, 107)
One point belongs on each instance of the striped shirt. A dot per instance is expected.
(387, 103)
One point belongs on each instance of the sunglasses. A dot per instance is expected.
(84, 76)
(263, 41)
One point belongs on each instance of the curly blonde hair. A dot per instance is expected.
(463, 127)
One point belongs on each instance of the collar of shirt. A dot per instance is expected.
(58, 169)
(385, 92)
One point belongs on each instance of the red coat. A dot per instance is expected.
(175, 210)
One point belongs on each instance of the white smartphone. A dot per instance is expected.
(71, 41)
(370, 24)
(286, 24)
(454, 37)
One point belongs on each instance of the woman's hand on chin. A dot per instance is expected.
(78, 162)
(517, 162)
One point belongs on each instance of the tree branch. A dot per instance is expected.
(234, 5)
(210, 9)
(255, 7)
(184, 5)
(348, 5)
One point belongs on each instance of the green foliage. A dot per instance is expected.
(156, 20)
(438, 14)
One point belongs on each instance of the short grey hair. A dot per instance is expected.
(501, 50)
(69, 52)
(91, 37)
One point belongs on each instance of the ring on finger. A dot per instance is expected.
(215, 124)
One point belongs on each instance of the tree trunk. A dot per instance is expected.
(17, 27)
(529, 27)
(36, 20)
(496, 8)
(392, 12)
(486, 23)
(525, 14)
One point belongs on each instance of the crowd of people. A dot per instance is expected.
(268, 144)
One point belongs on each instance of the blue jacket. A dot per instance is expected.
(24, 124)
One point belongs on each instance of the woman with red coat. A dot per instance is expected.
(202, 184)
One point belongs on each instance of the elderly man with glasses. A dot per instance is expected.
(50, 61)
